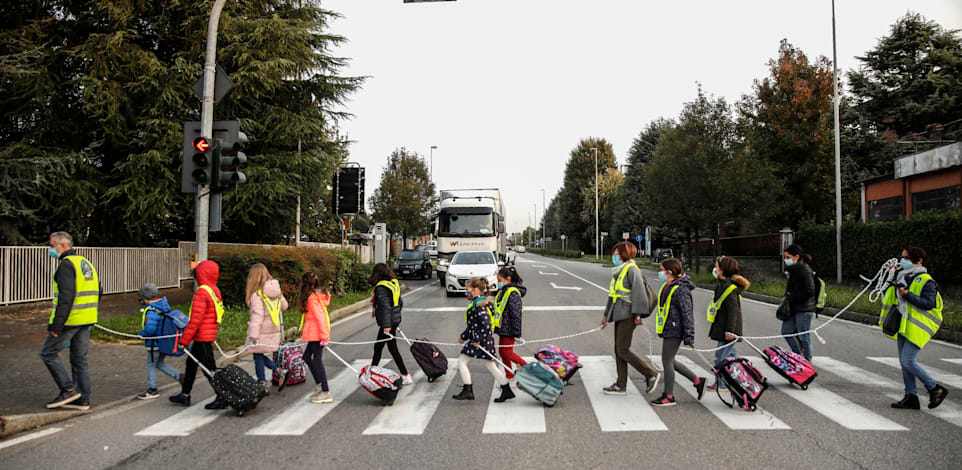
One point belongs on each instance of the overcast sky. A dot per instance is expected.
(506, 88)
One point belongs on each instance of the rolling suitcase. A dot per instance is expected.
(745, 383)
(540, 381)
(382, 383)
(236, 387)
(431, 360)
(793, 367)
(564, 362)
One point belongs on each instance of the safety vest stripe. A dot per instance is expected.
(915, 321)
(84, 306)
(88, 293)
(925, 314)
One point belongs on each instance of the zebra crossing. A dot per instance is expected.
(417, 405)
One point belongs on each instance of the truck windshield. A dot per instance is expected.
(453, 223)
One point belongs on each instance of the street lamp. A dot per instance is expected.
(431, 171)
(838, 165)
(597, 224)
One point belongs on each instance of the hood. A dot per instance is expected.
(161, 305)
(685, 281)
(272, 289)
(207, 273)
(521, 289)
(483, 302)
(741, 282)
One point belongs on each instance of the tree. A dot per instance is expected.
(608, 186)
(580, 173)
(912, 79)
(787, 123)
(629, 213)
(100, 89)
(406, 197)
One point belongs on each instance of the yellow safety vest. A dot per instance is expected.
(395, 288)
(917, 326)
(617, 289)
(663, 308)
(87, 288)
(501, 303)
(715, 304)
(495, 321)
(218, 305)
(274, 309)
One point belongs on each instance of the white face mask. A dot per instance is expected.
(714, 273)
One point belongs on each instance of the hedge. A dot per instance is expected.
(287, 265)
(560, 253)
(865, 246)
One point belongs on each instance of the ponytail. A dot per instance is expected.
(511, 274)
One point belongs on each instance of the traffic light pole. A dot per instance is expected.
(207, 125)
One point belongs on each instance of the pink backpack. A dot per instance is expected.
(745, 383)
(562, 361)
(290, 356)
(792, 366)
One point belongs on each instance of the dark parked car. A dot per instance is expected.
(663, 253)
(414, 263)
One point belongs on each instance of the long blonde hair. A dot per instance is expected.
(256, 279)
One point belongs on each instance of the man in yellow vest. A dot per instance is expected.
(76, 289)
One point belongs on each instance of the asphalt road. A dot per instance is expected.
(842, 421)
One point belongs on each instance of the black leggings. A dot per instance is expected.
(391, 346)
(204, 353)
(312, 357)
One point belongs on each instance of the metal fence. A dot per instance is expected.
(26, 272)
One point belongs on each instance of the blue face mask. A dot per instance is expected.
(53, 253)
(906, 263)
(616, 260)
(789, 262)
(662, 276)
(500, 285)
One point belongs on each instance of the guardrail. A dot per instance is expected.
(26, 272)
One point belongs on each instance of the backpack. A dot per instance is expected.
(652, 297)
(745, 383)
(172, 323)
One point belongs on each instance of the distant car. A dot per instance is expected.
(433, 248)
(468, 264)
(663, 253)
(520, 249)
(414, 263)
(510, 257)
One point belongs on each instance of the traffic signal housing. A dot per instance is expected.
(201, 158)
(229, 157)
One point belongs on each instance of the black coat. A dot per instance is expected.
(511, 318)
(729, 315)
(801, 287)
(477, 329)
(387, 315)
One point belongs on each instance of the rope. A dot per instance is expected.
(339, 358)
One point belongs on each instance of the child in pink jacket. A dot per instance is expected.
(267, 305)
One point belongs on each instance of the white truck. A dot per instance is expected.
(470, 220)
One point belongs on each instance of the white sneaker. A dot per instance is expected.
(407, 380)
(322, 397)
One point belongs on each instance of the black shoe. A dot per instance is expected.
(181, 399)
(652, 382)
(506, 394)
(66, 396)
(78, 405)
(614, 389)
(664, 400)
(150, 394)
(910, 402)
(700, 386)
(467, 393)
(217, 404)
(936, 395)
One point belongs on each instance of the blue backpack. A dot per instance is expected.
(172, 323)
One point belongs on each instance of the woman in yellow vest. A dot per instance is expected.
(387, 311)
(675, 323)
(916, 295)
(266, 303)
(725, 310)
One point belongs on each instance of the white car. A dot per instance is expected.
(520, 249)
(511, 257)
(468, 264)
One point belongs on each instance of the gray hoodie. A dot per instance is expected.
(623, 310)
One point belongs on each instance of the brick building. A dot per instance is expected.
(930, 180)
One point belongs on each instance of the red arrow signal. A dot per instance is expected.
(201, 144)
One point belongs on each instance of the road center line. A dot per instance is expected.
(29, 437)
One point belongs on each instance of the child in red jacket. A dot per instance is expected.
(206, 311)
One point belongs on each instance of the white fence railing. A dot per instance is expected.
(26, 272)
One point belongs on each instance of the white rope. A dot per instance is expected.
(128, 335)
(349, 366)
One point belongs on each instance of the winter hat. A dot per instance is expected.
(148, 291)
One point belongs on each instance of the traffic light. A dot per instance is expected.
(201, 158)
(228, 158)
(348, 190)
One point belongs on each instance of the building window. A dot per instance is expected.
(936, 200)
(885, 210)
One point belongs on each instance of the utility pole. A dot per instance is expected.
(838, 164)
(207, 125)
(544, 215)
(597, 224)
(535, 222)
(431, 170)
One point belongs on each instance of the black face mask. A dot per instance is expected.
(142, 302)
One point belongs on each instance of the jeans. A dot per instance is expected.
(508, 356)
(78, 339)
(313, 357)
(261, 360)
(624, 330)
(802, 344)
(721, 354)
(155, 360)
(391, 347)
(911, 370)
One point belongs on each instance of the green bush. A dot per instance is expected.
(558, 253)
(865, 246)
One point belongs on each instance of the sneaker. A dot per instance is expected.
(284, 373)
(180, 399)
(700, 386)
(78, 405)
(267, 387)
(614, 389)
(322, 397)
(910, 402)
(150, 394)
(66, 396)
(217, 404)
(652, 382)
(664, 400)
(407, 380)
(936, 395)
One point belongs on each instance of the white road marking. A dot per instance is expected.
(299, 417)
(953, 361)
(527, 308)
(577, 277)
(537, 265)
(616, 412)
(547, 274)
(183, 423)
(415, 405)
(563, 287)
(521, 415)
(29, 437)
(734, 418)
(948, 411)
(940, 376)
(836, 407)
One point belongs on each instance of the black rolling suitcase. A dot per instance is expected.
(431, 360)
(237, 388)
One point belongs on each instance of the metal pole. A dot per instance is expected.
(431, 171)
(207, 125)
(838, 164)
(544, 215)
(597, 224)
(535, 222)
